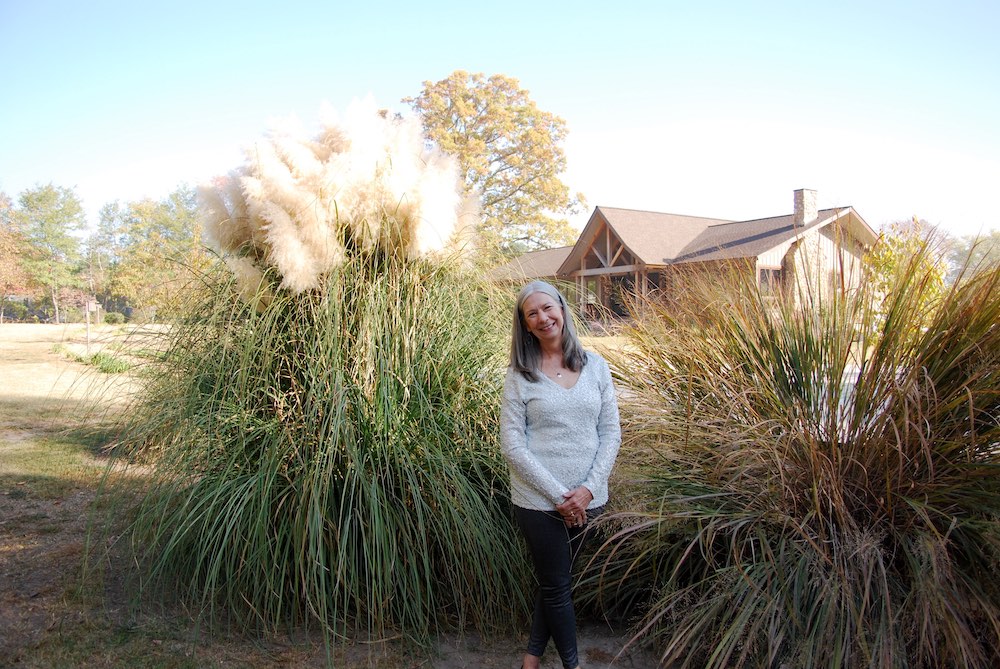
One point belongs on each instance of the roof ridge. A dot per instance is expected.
(665, 213)
(753, 220)
(771, 218)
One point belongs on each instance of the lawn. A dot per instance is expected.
(51, 466)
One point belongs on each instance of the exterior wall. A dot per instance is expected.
(677, 280)
(775, 256)
(817, 265)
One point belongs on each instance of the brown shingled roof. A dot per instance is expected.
(652, 237)
(746, 239)
(532, 265)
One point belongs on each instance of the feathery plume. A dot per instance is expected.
(365, 180)
(250, 281)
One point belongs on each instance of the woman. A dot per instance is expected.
(560, 435)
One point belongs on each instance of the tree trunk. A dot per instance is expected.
(55, 304)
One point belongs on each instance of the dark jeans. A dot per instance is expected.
(553, 547)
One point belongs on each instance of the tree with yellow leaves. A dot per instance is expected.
(907, 251)
(510, 155)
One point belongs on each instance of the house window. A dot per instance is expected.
(770, 279)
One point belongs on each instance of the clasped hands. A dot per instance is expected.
(574, 509)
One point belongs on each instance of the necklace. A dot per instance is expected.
(559, 374)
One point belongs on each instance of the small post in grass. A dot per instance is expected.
(91, 306)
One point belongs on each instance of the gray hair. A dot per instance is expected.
(525, 352)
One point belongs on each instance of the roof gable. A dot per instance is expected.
(653, 238)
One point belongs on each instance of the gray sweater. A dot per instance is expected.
(556, 439)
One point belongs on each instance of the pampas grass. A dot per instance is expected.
(321, 430)
(300, 205)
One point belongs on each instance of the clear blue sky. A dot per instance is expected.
(717, 109)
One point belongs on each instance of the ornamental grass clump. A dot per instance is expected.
(320, 433)
(801, 491)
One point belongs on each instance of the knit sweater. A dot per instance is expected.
(556, 439)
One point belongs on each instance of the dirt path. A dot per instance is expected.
(47, 485)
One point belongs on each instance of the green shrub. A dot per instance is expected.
(107, 363)
(790, 499)
(333, 456)
(114, 318)
(15, 311)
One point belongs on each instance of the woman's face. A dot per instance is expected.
(543, 317)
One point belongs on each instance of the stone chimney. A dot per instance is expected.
(805, 207)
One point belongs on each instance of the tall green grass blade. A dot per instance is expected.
(332, 458)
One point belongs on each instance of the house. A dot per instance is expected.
(544, 263)
(648, 252)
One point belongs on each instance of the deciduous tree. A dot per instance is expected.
(142, 252)
(510, 153)
(50, 218)
(912, 248)
(13, 275)
(975, 251)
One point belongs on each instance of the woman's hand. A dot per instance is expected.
(574, 509)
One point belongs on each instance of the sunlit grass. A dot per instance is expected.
(47, 467)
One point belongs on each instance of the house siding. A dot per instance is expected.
(774, 257)
(819, 263)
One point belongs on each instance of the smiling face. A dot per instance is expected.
(543, 317)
